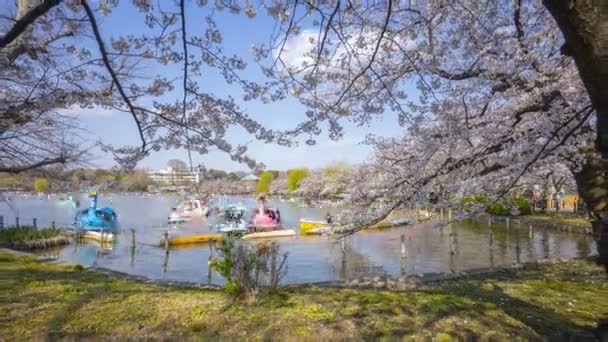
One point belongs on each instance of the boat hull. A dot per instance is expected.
(98, 236)
(259, 228)
(320, 231)
(309, 226)
(185, 240)
(270, 235)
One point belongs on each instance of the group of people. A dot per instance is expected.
(275, 215)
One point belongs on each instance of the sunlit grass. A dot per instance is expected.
(40, 300)
(561, 218)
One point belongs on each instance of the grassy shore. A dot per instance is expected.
(27, 233)
(29, 238)
(562, 220)
(47, 300)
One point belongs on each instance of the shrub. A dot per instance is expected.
(468, 202)
(523, 205)
(295, 178)
(41, 185)
(249, 268)
(499, 209)
(264, 181)
(504, 207)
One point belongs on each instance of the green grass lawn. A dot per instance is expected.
(46, 300)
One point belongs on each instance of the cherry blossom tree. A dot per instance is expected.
(498, 96)
(54, 56)
(502, 87)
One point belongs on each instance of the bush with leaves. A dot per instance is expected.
(468, 203)
(264, 181)
(249, 269)
(499, 209)
(523, 206)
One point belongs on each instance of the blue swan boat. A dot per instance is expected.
(96, 219)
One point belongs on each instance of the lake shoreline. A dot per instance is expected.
(371, 283)
(558, 300)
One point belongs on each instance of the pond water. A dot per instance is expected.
(310, 258)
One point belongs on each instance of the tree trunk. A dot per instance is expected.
(592, 184)
(584, 24)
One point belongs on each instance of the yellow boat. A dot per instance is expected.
(184, 240)
(268, 235)
(308, 226)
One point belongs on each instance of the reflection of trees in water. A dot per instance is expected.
(349, 263)
(545, 243)
(583, 247)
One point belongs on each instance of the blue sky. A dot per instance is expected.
(239, 33)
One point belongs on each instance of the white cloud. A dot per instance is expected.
(298, 48)
(77, 111)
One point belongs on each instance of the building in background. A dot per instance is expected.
(171, 176)
(250, 177)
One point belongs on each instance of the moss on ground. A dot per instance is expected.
(46, 300)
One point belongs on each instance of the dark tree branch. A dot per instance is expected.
(517, 19)
(372, 59)
(322, 42)
(106, 62)
(44, 162)
(24, 22)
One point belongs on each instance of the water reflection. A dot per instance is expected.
(399, 251)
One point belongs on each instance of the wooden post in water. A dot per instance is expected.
(545, 240)
(403, 249)
(508, 221)
(451, 239)
(273, 264)
(35, 223)
(167, 242)
(517, 247)
(211, 247)
(132, 238)
(530, 231)
(491, 240)
(343, 244)
(17, 221)
(449, 214)
(166, 260)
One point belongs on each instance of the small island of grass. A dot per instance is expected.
(29, 237)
